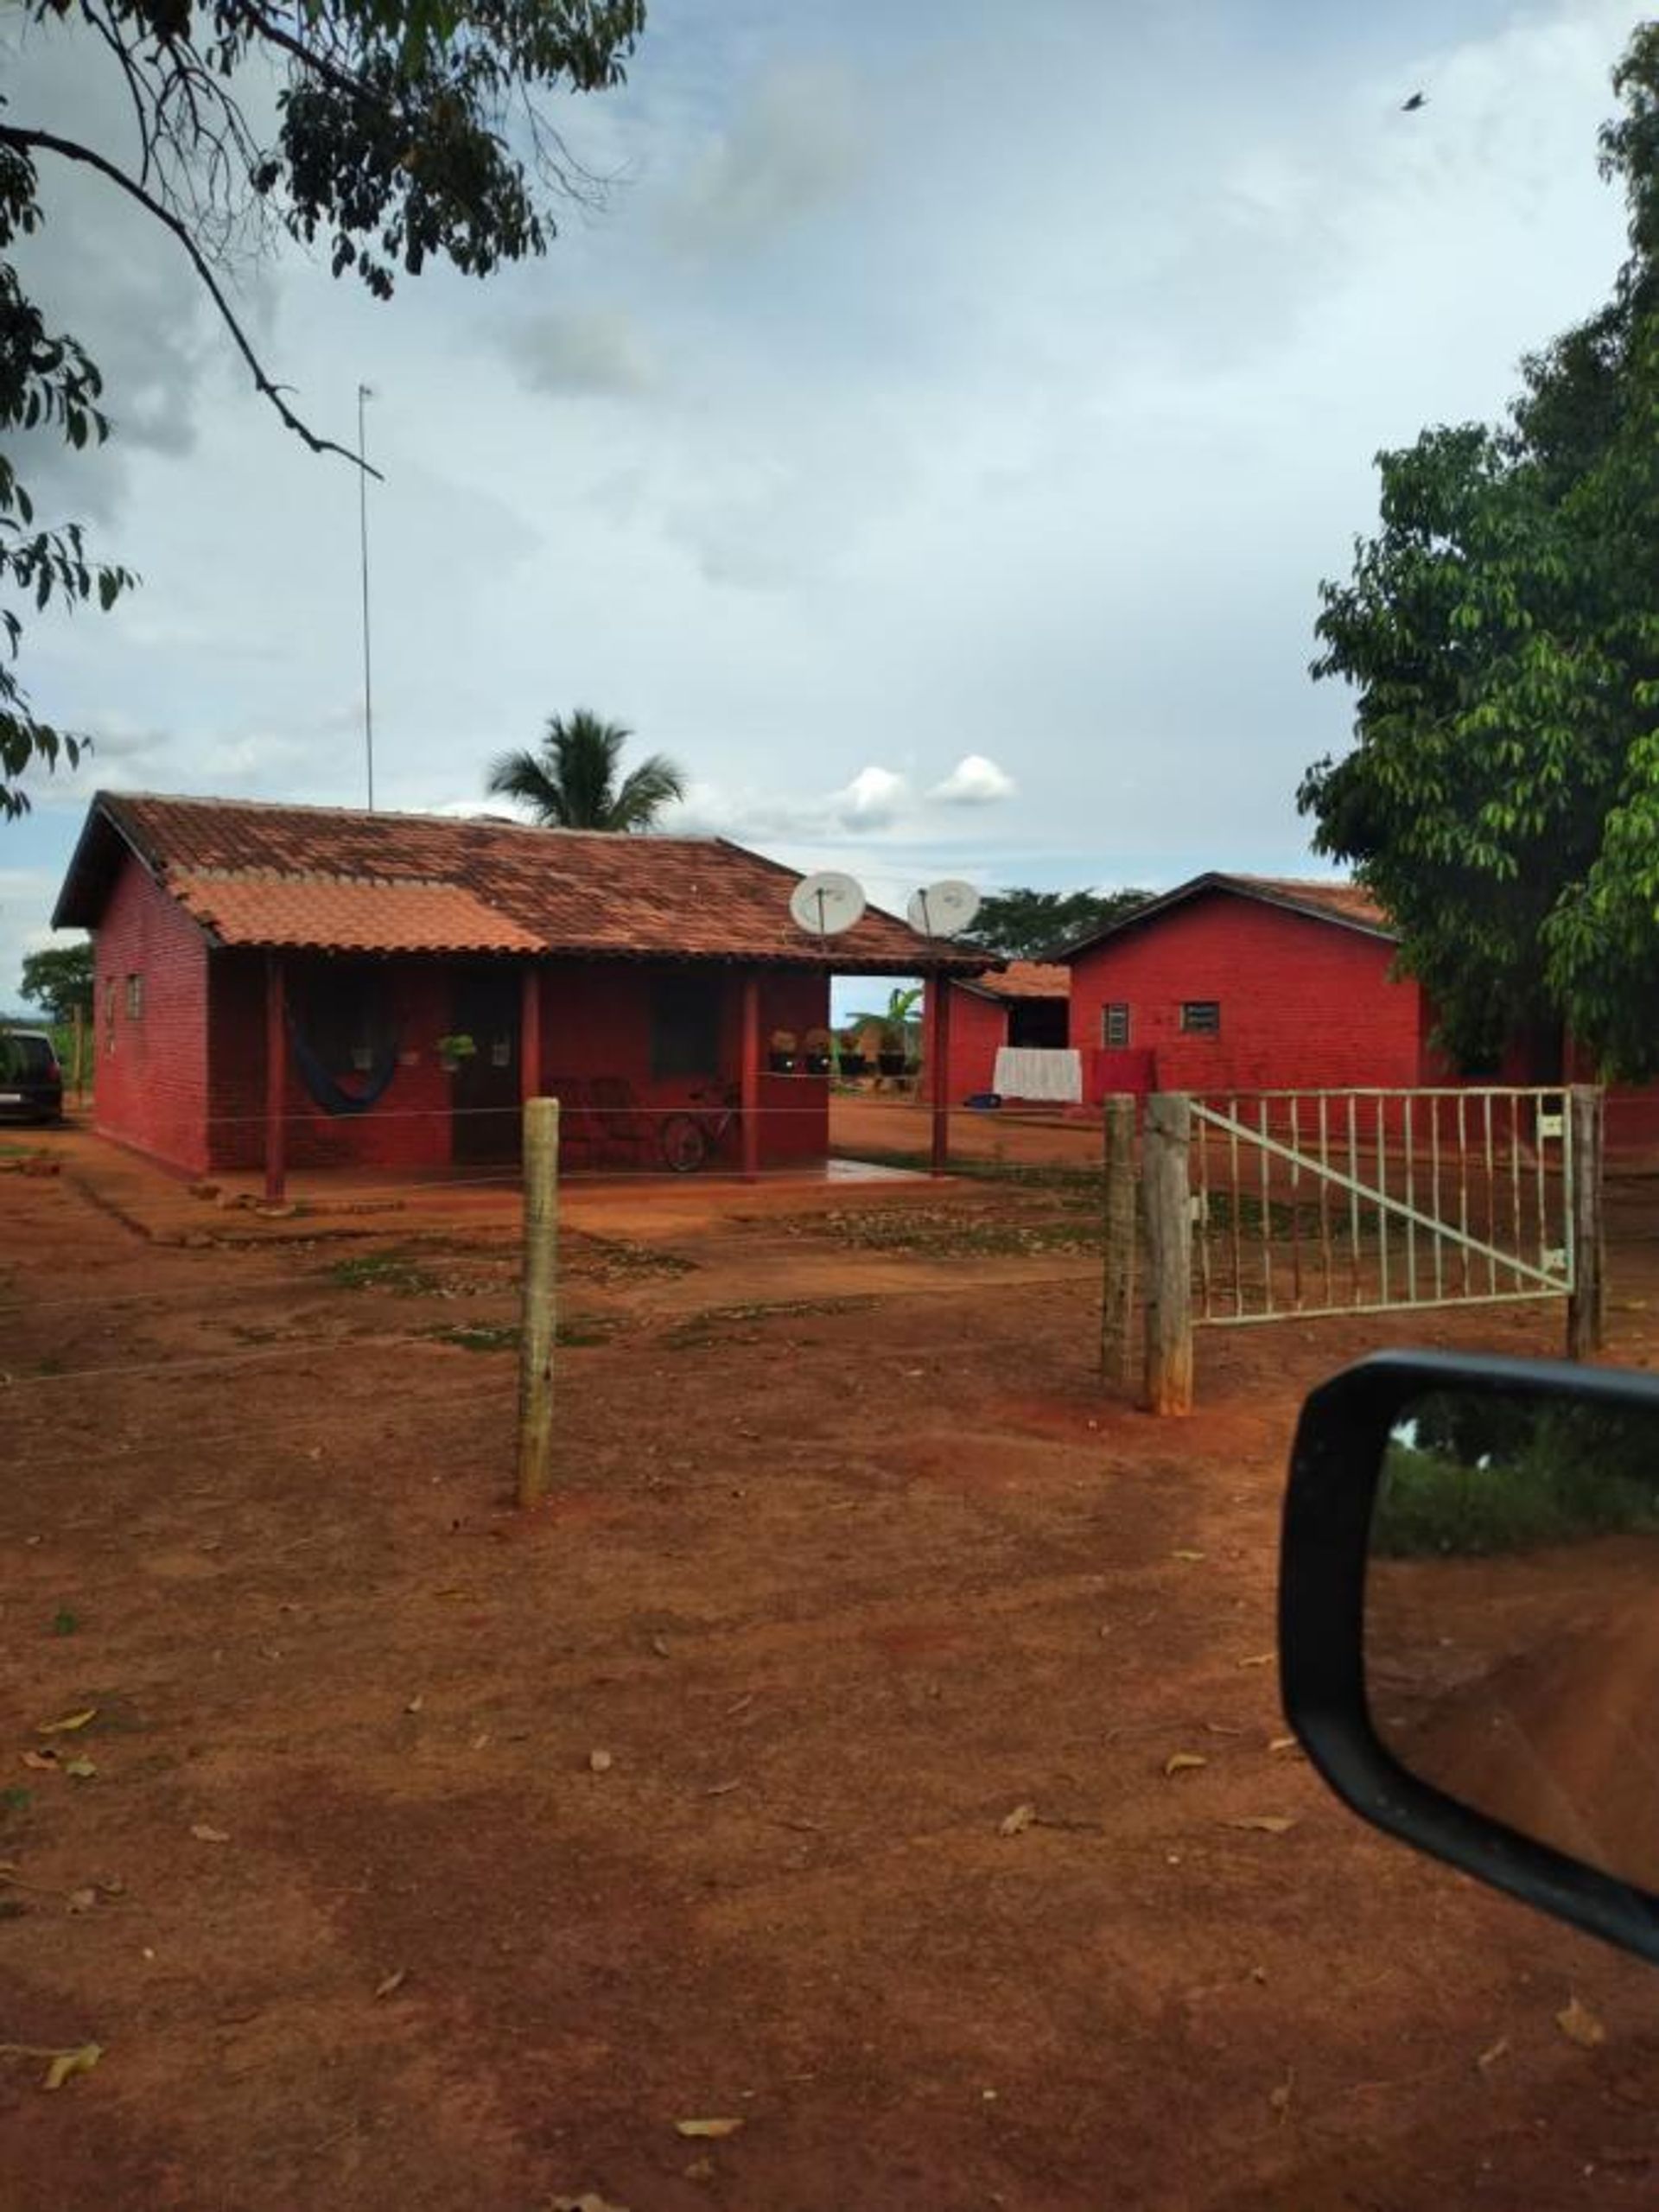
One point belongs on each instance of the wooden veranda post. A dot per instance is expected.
(539, 1318)
(1167, 1203)
(81, 1064)
(749, 1076)
(276, 1071)
(1118, 1244)
(936, 1059)
(530, 1035)
(1584, 1304)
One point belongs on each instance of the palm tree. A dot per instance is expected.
(571, 782)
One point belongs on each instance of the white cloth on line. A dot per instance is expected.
(1028, 1071)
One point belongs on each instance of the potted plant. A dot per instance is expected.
(817, 1052)
(453, 1052)
(781, 1056)
(899, 1027)
(850, 1055)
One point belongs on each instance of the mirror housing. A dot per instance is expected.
(1336, 1464)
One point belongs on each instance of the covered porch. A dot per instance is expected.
(393, 1065)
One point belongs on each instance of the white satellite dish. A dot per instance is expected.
(827, 903)
(943, 909)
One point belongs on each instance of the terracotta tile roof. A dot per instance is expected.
(1027, 979)
(1348, 904)
(336, 877)
(348, 915)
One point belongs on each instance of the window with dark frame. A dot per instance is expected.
(135, 998)
(685, 1027)
(1201, 1017)
(1114, 1026)
(109, 1013)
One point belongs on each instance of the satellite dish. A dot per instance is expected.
(943, 909)
(828, 903)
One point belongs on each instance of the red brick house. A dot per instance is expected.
(274, 983)
(1245, 982)
(1026, 1004)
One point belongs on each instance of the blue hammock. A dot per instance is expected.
(333, 1097)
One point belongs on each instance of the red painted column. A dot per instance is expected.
(275, 1069)
(530, 1034)
(749, 1075)
(936, 1059)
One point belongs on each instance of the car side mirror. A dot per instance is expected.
(1469, 1622)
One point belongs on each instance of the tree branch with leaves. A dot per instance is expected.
(407, 131)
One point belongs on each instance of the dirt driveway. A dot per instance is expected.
(434, 1857)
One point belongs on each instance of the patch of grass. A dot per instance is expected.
(952, 1232)
(700, 1330)
(396, 1272)
(503, 1336)
(15, 1801)
(64, 1623)
(620, 1258)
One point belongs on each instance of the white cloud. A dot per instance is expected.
(787, 153)
(975, 781)
(873, 799)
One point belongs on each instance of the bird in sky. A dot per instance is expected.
(1411, 106)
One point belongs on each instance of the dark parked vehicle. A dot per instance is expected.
(31, 1082)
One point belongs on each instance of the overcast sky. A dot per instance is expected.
(934, 445)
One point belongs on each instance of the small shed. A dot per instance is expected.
(1246, 983)
(1026, 1008)
(322, 986)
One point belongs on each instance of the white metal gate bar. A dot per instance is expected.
(1449, 1272)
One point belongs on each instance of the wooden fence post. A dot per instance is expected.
(1167, 1206)
(1118, 1238)
(540, 1306)
(1584, 1304)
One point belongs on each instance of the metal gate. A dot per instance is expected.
(1312, 1202)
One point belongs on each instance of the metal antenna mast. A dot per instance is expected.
(365, 392)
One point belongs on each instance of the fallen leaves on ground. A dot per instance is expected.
(1017, 1821)
(68, 1724)
(1259, 1659)
(41, 1761)
(1279, 2099)
(1184, 1762)
(1193, 1556)
(1579, 2024)
(589, 2201)
(204, 1833)
(1264, 1823)
(1493, 2052)
(599, 1762)
(63, 2065)
(81, 1770)
(707, 2131)
(394, 1980)
(1283, 1744)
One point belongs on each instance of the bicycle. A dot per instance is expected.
(690, 1138)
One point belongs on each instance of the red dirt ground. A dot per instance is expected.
(848, 1558)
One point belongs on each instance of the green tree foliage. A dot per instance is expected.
(59, 979)
(571, 782)
(1501, 633)
(1029, 924)
(405, 132)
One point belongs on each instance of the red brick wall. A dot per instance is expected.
(151, 1071)
(408, 1127)
(979, 1027)
(1305, 1004)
